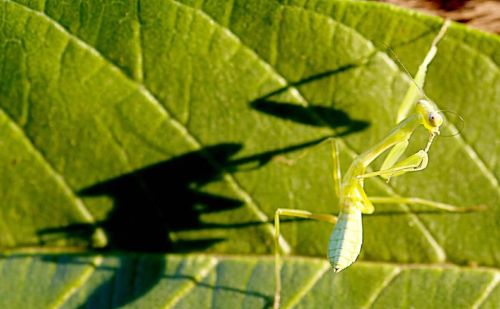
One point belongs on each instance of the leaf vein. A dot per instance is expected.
(139, 70)
(487, 291)
(80, 206)
(80, 282)
(308, 285)
(387, 282)
(172, 302)
(228, 13)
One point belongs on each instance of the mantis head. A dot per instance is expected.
(431, 119)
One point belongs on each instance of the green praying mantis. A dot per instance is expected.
(346, 239)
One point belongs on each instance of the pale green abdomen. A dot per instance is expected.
(345, 240)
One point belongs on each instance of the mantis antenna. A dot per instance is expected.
(418, 81)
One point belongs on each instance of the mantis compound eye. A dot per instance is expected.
(431, 117)
(435, 119)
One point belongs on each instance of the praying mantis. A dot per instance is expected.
(346, 239)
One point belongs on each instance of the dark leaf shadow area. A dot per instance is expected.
(124, 278)
(152, 202)
(312, 114)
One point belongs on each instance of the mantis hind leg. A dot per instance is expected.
(336, 174)
(277, 257)
(424, 202)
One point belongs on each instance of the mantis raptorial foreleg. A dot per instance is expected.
(394, 155)
(413, 163)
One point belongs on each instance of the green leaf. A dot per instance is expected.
(178, 126)
(173, 281)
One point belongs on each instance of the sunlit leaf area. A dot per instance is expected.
(145, 146)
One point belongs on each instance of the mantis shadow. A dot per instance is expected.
(154, 202)
(312, 114)
(151, 202)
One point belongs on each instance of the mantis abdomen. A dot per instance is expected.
(345, 240)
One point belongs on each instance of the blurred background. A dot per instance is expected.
(481, 14)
